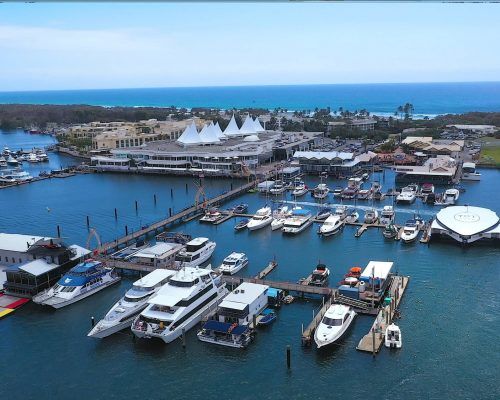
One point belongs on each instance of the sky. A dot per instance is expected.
(54, 46)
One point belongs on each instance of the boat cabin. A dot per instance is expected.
(161, 255)
(243, 303)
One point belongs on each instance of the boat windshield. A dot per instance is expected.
(332, 321)
(183, 258)
(230, 263)
(135, 299)
(174, 282)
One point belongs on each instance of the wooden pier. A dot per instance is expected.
(308, 332)
(373, 340)
(266, 271)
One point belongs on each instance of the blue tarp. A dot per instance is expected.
(301, 211)
(224, 327)
(273, 292)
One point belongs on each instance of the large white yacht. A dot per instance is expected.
(469, 172)
(408, 194)
(233, 263)
(196, 252)
(180, 304)
(450, 196)
(81, 281)
(334, 324)
(335, 222)
(410, 231)
(121, 315)
(261, 219)
(298, 221)
(387, 215)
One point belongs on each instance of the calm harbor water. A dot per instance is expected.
(449, 312)
(428, 98)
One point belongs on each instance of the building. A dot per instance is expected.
(161, 255)
(366, 124)
(479, 130)
(29, 264)
(466, 224)
(437, 170)
(243, 303)
(333, 161)
(434, 147)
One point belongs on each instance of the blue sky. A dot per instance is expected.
(119, 45)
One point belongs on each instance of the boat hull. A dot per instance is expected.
(263, 224)
(337, 336)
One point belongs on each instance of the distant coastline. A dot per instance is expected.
(430, 99)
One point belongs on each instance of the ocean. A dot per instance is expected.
(449, 312)
(428, 98)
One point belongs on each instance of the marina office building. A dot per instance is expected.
(437, 170)
(332, 161)
(233, 152)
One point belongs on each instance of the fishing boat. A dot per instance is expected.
(319, 276)
(352, 217)
(410, 231)
(266, 317)
(321, 191)
(233, 263)
(334, 325)
(371, 216)
(469, 172)
(298, 221)
(387, 215)
(225, 334)
(196, 252)
(393, 339)
(261, 219)
(212, 215)
(390, 231)
(241, 225)
(324, 213)
(180, 304)
(123, 313)
(83, 280)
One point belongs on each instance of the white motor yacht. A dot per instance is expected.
(81, 281)
(233, 263)
(408, 194)
(469, 172)
(279, 217)
(334, 324)
(212, 215)
(321, 191)
(12, 161)
(3, 161)
(123, 313)
(278, 188)
(450, 196)
(387, 215)
(262, 218)
(393, 337)
(300, 189)
(196, 252)
(352, 217)
(371, 216)
(180, 304)
(32, 158)
(410, 231)
(364, 194)
(335, 222)
(298, 221)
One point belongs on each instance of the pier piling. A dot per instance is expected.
(288, 356)
(116, 214)
(154, 198)
(373, 342)
(136, 206)
(92, 321)
(170, 211)
(58, 231)
(171, 193)
(88, 221)
(126, 230)
(186, 187)
(183, 337)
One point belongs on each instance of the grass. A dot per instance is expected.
(490, 152)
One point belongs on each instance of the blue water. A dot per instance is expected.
(450, 311)
(427, 98)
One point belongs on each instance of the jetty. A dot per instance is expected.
(266, 271)
(308, 332)
(372, 341)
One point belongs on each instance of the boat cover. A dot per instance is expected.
(224, 327)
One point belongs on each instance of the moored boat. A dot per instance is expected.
(371, 216)
(261, 219)
(334, 325)
(387, 215)
(321, 191)
(410, 231)
(319, 276)
(390, 231)
(233, 263)
(241, 225)
(298, 221)
(393, 337)
(196, 252)
(225, 334)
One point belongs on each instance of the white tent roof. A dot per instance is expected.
(232, 128)
(208, 134)
(218, 131)
(190, 136)
(257, 125)
(248, 127)
(251, 138)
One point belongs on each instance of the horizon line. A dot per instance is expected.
(242, 85)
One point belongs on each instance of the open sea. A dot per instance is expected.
(450, 319)
(428, 98)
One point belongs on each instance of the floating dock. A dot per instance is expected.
(8, 304)
(266, 271)
(308, 332)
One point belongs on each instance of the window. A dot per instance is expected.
(332, 321)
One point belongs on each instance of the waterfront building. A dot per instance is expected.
(29, 264)
(434, 147)
(466, 224)
(365, 124)
(161, 255)
(239, 306)
(332, 161)
(436, 170)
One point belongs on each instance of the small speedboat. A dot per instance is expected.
(393, 337)
(352, 217)
(300, 189)
(240, 208)
(334, 324)
(279, 217)
(324, 213)
(364, 194)
(390, 231)
(319, 276)
(267, 317)
(233, 263)
(241, 225)
(371, 216)
(410, 231)
(211, 216)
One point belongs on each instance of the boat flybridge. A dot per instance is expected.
(387, 215)
(79, 282)
(123, 313)
(298, 221)
(408, 194)
(469, 172)
(334, 324)
(233, 263)
(262, 218)
(180, 304)
(196, 252)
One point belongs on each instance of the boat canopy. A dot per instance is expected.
(273, 292)
(87, 267)
(224, 327)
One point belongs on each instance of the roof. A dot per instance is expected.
(257, 125)
(79, 251)
(189, 136)
(197, 241)
(208, 134)
(469, 165)
(157, 250)
(38, 267)
(377, 269)
(224, 327)
(323, 155)
(234, 256)
(467, 220)
(85, 266)
(155, 277)
(243, 295)
(232, 128)
(248, 127)
(17, 242)
(251, 138)
(273, 292)
(218, 131)
(421, 139)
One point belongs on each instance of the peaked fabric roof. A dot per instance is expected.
(232, 128)
(190, 135)
(208, 134)
(248, 127)
(218, 131)
(257, 125)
